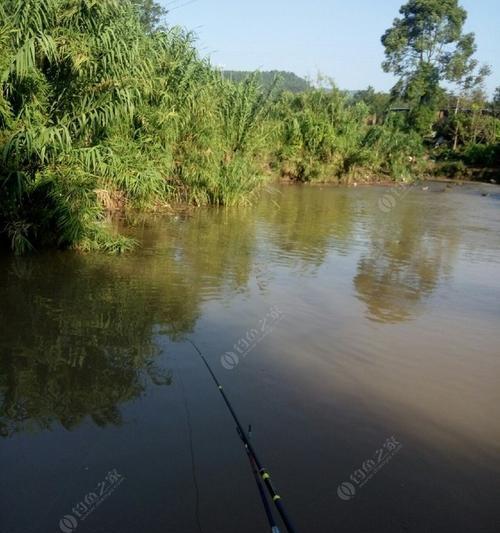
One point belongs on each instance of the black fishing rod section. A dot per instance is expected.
(260, 486)
(263, 478)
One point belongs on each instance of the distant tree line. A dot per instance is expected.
(288, 81)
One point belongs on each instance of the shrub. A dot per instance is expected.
(482, 154)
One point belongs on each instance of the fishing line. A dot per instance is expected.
(191, 449)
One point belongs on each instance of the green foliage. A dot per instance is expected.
(318, 134)
(496, 102)
(377, 102)
(150, 13)
(322, 136)
(424, 47)
(473, 124)
(453, 169)
(427, 33)
(102, 111)
(394, 152)
(423, 94)
(98, 112)
(482, 155)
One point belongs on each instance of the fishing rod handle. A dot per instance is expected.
(276, 498)
(284, 517)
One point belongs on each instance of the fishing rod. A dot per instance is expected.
(262, 476)
(260, 486)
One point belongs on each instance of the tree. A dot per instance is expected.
(496, 101)
(464, 72)
(377, 102)
(419, 48)
(150, 13)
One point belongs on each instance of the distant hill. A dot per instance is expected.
(351, 93)
(289, 81)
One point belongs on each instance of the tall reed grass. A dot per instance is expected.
(98, 115)
(91, 102)
(322, 136)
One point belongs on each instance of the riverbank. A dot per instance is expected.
(144, 122)
(114, 207)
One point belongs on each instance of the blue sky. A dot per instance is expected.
(340, 38)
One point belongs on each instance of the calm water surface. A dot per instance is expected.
(367, 324)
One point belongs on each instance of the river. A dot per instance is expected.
(356, 329)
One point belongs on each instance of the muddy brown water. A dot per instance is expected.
(357, 330)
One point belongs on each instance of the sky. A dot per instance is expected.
(339, 38)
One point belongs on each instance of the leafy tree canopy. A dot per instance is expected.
(429, 32)
(150, 13)
(426, 46)
(377, 102)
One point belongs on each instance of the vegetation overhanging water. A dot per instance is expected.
(102, 110)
